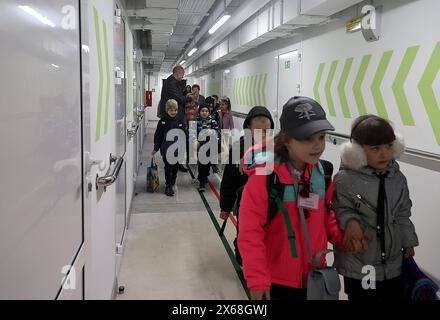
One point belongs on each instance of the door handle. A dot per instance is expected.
(134, 128)
(109, 179)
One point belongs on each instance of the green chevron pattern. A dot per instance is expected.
(358, 84)
(250, 90)
(341, 88)
(101, 76)
(100, 69)
(427, 92)
(331, 76)
(399, 82)
(318, 82)
(107, 100)
(375, 86)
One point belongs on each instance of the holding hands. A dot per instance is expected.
(355, 240)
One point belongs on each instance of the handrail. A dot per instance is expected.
(108, 180)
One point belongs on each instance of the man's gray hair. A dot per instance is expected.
(177, 69)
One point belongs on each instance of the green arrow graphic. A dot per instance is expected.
(399, 82)
(259, 89)
(98, 46)
(264, 90)
(427, 92)
(254, 91)
(375, 86)
(358, 84)
(248, 90)
(318, 82)
(328, 84)
(341, 88)
(107, 100)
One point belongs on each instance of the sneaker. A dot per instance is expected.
(202, 187)
(182, 168)
(169, 191)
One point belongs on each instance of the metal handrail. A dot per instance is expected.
(108, 180)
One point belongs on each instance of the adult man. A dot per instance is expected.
(198, 98)
(172, 89)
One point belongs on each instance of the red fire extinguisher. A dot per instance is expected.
(148, 98)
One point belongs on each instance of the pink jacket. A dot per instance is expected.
(227, 120)
(266, 250)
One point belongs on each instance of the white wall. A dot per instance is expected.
(400, 30)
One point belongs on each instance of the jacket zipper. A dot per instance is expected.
(366, 202)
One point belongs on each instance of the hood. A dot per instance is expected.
(256, 112)
(353, 156)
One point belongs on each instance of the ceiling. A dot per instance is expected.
(173, 25)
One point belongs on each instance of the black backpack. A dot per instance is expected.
(275, 191)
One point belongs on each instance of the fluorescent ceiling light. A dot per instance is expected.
(227, 71)
(55, 66)
(182, 62)
(38, 16)
(192, 52)
(219, 23)
(85, 48)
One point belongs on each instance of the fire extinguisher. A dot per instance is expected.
(148, 98)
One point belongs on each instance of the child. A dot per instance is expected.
(227, 122)
(167, 123)
(207, 128)
(272, 268)
(372, 202)
(234, 179)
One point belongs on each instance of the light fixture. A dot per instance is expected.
(182, 62)
(38, 16)
(288, 55)
(227, 71)
(219, 23)
(192, 52)
(55, 66)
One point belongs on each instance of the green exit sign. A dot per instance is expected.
(287, 64)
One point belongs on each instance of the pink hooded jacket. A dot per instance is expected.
(266, 250)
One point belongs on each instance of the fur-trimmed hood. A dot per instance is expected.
(353, 156)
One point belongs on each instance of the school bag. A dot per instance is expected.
(275, 191)
(152, 176)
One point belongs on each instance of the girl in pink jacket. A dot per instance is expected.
(227, 122)
(272, 268)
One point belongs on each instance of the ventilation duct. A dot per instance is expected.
(144, 41)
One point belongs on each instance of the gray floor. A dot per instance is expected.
(172, 250)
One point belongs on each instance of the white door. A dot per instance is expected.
(121, 128)
(288, 81)
(42, 247)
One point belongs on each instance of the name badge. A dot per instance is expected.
(312, 202)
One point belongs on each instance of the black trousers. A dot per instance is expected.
(279, 292)
(203, 172)
(170, 172)
(387, 290)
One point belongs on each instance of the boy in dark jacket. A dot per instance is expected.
(167, 123)
(207, 128)
(234, 179)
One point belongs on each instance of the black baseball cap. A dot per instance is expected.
(302, 117)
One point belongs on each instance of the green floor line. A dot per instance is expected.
(231, 255)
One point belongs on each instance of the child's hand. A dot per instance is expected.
(260, 294)
(224, 215)
(354, 240)
(408, 252)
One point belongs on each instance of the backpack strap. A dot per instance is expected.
(327, 166)
(275, 192)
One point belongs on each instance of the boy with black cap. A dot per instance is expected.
(258, 120)
(276, 253)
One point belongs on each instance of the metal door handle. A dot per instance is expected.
(108, 180)
(134, 128)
